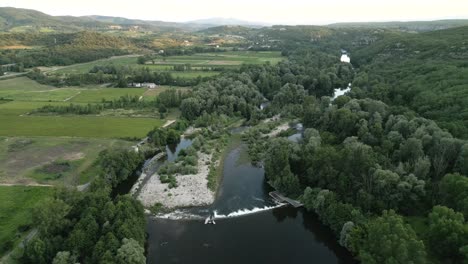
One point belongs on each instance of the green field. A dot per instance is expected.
(198, 61)
(18, 108)
(193, 74)
(154, 92)
(96, 95)
(15, 122)
(25, 89)
(230, 58)
(85, 67)
(23, 84)
(61, 94)
(16, 211)
(76, 126)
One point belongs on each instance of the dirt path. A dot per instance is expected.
(71, 97)
(56, 68)
(168, 123)
(13, 75)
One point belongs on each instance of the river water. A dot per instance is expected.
(250, 227)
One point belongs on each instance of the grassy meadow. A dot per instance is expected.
(50, 160)
(96, 95)
(75, 126)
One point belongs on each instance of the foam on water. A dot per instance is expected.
(187, 215)
(179, 215)
(345, 58)
(242, 212)
(340, 92)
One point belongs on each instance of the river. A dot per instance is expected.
(250, 227)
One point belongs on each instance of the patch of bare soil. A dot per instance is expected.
(74, 156)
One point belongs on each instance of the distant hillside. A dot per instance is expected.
(427, 72)
(26, 20)
(417, 26)
(227, 30)
(439, 44)
(219, 21)
(151, 24)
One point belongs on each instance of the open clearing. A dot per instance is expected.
(16, 211)
(30, 160)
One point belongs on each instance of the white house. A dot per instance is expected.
(149, 85)
(138, 85)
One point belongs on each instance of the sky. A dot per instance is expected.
(292, 12)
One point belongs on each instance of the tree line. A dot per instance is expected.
(92, 226)
(367, 168)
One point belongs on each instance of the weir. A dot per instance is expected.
(281, 198)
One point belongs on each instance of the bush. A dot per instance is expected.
(190, 160)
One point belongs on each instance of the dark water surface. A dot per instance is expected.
(247, 230)
(283, 235)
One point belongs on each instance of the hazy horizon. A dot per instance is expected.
(293, 12)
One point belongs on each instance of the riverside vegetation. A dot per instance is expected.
(384, 166)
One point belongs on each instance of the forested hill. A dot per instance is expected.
(233, 30)
(27, 20)
(17, 19)
(426, 72)
(83, 38)
(416, 26)
(62, 49)
(396, 46)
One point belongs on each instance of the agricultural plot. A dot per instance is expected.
(198, 61)
(229, 58)
(96, 95)
(16, 122)
(150, 93)
(54, 149)
(76, 126)
(23, 84)
(193, 74)
(85, 67)
(25, 89)
(59, 94)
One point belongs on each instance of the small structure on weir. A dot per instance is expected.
(281, 199)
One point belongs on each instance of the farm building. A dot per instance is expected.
(149, 85)
(143, 85)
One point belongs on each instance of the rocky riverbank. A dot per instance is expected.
(192, 189)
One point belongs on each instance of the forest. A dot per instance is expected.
(92, 226)
(384, 167)
(369, 170)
